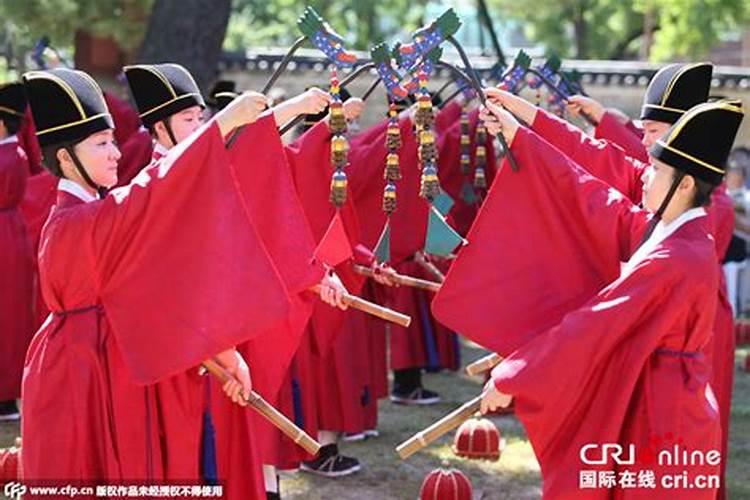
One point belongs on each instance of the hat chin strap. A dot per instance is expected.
(657, 216)
(101, 191)
(170, 133)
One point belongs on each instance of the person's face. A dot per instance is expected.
(653, 131)
(183, 124)
(657, 179)
(98, 154)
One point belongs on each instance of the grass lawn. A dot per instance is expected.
(514, 476)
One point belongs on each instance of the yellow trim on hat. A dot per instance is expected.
(13, 112)
(156, 108)
(665, 108)
(157, 73)
(34, 75)
(233, 95)
(690, 157)
(95, 86)
(72, 124)
(725, 105)
(676, 77)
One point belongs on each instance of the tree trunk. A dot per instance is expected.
(580, 32)
(187, 32)
(649, 26)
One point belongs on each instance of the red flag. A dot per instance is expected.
(334, 248)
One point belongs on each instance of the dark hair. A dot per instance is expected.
(49, 157)
(152, 128)
(12, 123)
(703, 191)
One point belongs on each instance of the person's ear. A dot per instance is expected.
(687, 185)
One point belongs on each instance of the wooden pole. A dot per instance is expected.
(401, 279)
(274, 416)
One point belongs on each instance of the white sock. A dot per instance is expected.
(270, 478)
(327, 437)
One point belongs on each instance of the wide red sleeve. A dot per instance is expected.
(181, 272)
(609, 162)
(611, 129)
(310, 160)
(546, 239)
(268, 191)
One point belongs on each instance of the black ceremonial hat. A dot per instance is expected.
(12, 100)
(700, 142)
(222, 93)
(67, 105)
(674, 89)
(162, 90)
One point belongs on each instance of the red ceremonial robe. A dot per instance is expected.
(16, 270)
(626, 136)
(452, 180)
(447, 116)
(424, 343)
(623, 348)
(150, 296)
(271, 201)
(314, 392)
(612, 164)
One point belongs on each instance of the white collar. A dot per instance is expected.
(11, 139)
(662, 232)
(159, 149)
(76, 190)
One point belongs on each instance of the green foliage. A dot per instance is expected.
(125, 20)
(256, 23)
(690, 28)
(610, 29)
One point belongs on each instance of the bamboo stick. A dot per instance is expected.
(446, 424)
(401, 279)
(372, 308)
(278, 419)
(483, 364)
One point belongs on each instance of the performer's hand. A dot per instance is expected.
(332, 291)
(579, 104)
(492, 399)
(384, 274)
(238, 389)
(243, 110)
(353, 108)
(311, 101)
(518, 106)
(498, 120)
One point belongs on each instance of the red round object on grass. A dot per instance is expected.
(442, 484)
(477, 438)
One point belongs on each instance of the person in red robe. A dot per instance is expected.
(119, 273)
(623, 343)
(337, 394)
(188, 408)
(16, 255)
(424, 344)
(673, 90)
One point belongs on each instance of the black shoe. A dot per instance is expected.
(329, 463)
(8, 411)
(419, 396)
(272, 495)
